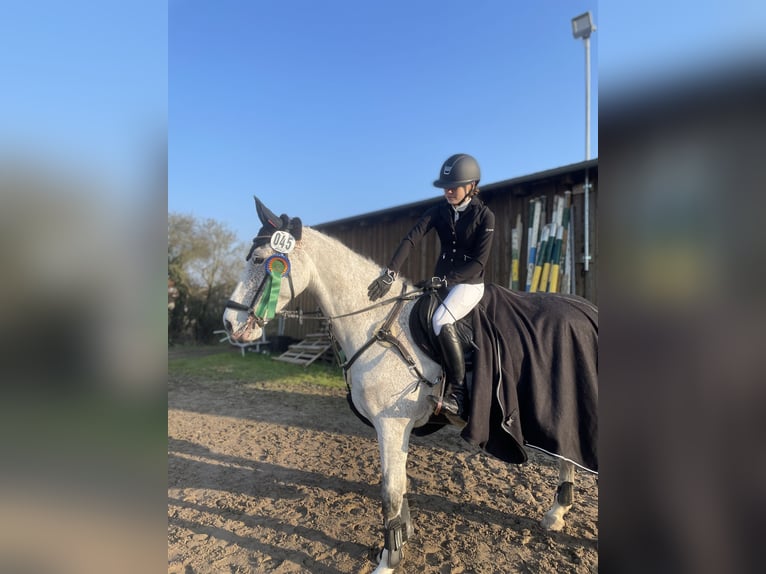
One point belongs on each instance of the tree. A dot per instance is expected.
(203, 265)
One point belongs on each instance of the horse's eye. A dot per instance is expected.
(258, 260)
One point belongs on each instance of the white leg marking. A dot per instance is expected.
(382, 568)
(554, 518)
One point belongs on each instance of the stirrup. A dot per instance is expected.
(437, 401)
(455, 419)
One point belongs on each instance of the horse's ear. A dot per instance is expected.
(267, 217)
(293, 225)
(296, 228)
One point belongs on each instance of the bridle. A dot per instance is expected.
(257, 310)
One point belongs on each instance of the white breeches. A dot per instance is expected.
(458, 303)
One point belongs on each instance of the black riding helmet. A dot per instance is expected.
(459, 169)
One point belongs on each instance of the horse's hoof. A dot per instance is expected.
(552, 522)
(381, 559)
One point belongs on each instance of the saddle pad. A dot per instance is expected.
(535, 374)
(543, 390)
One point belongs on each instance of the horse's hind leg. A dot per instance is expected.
(393, 440)
(554, 518)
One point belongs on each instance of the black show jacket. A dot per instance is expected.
(465, 243)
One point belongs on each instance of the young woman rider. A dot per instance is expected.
(465, 227)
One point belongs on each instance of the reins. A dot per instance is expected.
(384, 335)
(403, 297)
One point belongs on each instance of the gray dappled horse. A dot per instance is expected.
(287, 259)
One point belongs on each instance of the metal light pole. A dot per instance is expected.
(582, 27)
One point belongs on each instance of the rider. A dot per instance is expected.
(465, 227)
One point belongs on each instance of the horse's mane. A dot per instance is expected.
(360, 262)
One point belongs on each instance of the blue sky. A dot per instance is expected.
(660, 42)
(331, 109)
(327, 110)
(85, 89)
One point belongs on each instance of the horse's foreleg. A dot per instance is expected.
(554, 518)
(393, 441)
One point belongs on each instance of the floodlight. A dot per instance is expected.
(582, 25)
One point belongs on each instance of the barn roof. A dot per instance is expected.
(506, 185)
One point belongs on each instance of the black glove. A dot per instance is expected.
(381, 285)
(433, 283)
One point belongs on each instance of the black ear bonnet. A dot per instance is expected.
(271, 223)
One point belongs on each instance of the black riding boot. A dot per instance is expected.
(454, 372)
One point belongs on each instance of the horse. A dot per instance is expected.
(286, 259)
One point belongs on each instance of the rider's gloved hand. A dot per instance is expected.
(433, 283)
(381, 285)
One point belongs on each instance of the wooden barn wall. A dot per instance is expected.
(378, 235)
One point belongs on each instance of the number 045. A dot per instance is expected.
(282, 242)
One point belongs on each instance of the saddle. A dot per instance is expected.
(424, 337)
(423, 334)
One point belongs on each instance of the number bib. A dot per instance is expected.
(282, 242)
